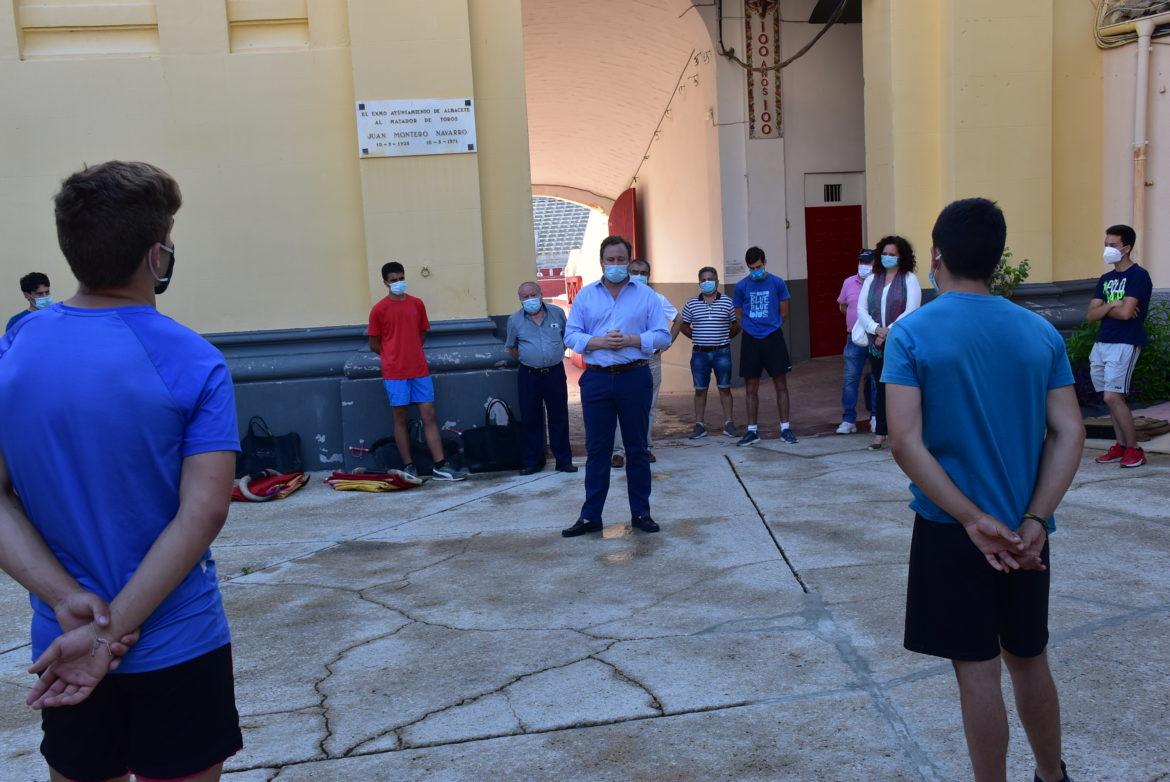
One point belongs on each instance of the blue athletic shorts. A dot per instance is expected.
(702, 363)
(410, 392)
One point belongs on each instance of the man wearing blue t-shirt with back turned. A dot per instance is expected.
(761, 307)
(117, 453)
(985, 422)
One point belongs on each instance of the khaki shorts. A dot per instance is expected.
(1111, 366)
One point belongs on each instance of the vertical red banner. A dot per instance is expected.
(762, 39)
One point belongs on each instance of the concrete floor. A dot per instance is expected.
(450, 633)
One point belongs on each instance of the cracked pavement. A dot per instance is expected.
(451, 633)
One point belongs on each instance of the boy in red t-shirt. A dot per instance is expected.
(398, 326)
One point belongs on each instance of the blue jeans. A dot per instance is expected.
(703, 362)
(624, 399)
(855, 358)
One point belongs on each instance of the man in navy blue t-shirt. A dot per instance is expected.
(985, 422)
(761, 307)
(1121, 303)
(117, 453)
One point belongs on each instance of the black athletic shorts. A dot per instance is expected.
(164, 724)
(961, 608)
(769, 354)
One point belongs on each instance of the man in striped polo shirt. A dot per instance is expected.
(709, 320)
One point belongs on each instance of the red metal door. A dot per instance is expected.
(832, 239)
(623, 220)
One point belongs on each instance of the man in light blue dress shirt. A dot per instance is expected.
(616, 325)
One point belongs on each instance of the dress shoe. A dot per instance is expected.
(644, 523)
(570, 467)
(580, 527)
(533, 469)
(618, 461)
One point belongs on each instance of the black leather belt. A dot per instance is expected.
(542, 370)
(617, 369)
(711, 348)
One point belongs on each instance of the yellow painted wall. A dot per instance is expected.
(993, 98)
(261, 142)
(1078, 119)
(497, 54)
(282, 226)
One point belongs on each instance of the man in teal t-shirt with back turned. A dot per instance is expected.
(984, 421)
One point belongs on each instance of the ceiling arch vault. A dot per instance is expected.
(599, 74)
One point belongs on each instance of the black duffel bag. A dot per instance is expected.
(262, 450)
(494, 447)
(385, 450)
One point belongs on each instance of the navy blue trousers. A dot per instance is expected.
(622, 399)
(540, 392)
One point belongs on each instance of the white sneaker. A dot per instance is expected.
(847, 428)
(873, 423)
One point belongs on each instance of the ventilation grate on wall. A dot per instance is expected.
(66, 28)
(832, 194)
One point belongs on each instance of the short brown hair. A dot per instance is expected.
(610, 241)
(109, 215)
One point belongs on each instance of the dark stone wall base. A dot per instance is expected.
(325, 384)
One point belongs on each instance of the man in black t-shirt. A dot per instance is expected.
(1121, 303)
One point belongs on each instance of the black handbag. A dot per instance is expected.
(495, 447)
(262, 450)
(385, 450)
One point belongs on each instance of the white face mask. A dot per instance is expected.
(1112, 256)
(864, 270)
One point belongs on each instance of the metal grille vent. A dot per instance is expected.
(832, 194)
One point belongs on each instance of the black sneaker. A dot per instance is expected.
(1064, 778)
(699, 432)
(644, 523)
(581, 527)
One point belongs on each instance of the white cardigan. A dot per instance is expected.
(913, 302)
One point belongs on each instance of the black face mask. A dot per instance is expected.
(160, 286)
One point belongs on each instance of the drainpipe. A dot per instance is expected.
(1141, 143)
(1145, 31)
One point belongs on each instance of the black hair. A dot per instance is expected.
(970, 235)
(609, 241)
(33, 280)
(754, 254)
(1127, 235)
(708, 269)
(392, 266)
(641, 260)
(906, 259)
(109, 216)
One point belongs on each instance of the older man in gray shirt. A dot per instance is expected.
(536, 337)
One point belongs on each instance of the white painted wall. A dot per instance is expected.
(824, 116)
(824, 131)
(678, 186)
(1120, 73)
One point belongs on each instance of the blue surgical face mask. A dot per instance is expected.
(930, 275)
(532, 305)
(398, 288)
(641, 279)
(890, 261)
(864, 270)
(759, 274)
(708, 286)
(43, 301)
(616, 273)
